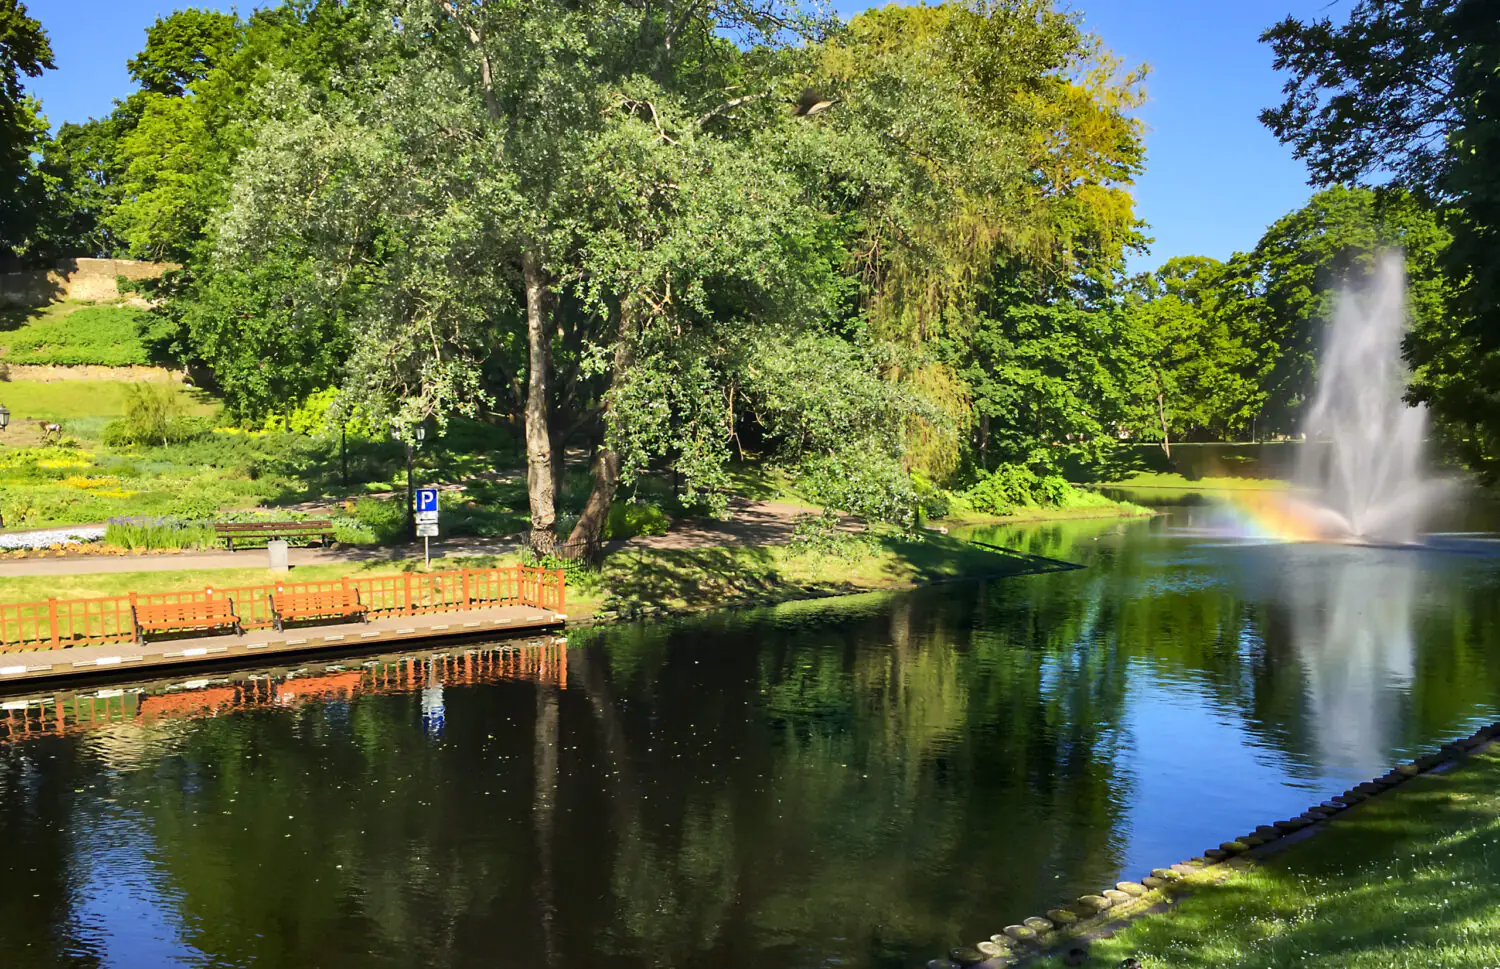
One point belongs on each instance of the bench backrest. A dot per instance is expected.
(315, 601)
(224, 528)
(170, 611)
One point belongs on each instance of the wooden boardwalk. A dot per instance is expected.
(378, 634)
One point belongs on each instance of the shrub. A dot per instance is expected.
(153, 415)
(138, 532)
(1014, 486)
(627, 519)
(352, 531)
(382, 519)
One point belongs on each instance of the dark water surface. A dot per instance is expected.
(854, 782)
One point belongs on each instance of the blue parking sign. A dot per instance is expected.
(427, 499)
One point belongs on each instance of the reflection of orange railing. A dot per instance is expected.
(546, 664)
(94, 622)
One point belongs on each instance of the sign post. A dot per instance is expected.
(427, 520)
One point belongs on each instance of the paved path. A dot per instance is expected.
(751, 523)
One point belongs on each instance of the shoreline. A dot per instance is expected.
(1115, 915)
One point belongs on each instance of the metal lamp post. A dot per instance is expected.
(4, 417)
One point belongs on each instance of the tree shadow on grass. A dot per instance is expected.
(703, 577)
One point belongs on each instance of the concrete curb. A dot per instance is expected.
(1100, 916)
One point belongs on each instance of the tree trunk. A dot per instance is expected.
(585, 540)
(541, 485)
(1161, 412)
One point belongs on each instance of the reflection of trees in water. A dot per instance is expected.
(867, 780)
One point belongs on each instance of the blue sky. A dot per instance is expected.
(1215, 177)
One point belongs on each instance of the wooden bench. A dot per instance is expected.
(202, 614)
(327, 604)
(321, 529)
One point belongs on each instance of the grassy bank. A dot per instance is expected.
(1408, 879)
(71, 333)
(692, 579)
(628, 583)
(1156, 481)
(1046, 513)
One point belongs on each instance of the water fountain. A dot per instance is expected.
(1361, 475)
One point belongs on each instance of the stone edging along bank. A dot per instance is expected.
(1097, 916)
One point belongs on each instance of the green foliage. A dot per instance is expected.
(1280, 296)
(24, 52)
(824, 534)
(1050, 371)
(627, 519)
(268, 346)
(103, 335)
(380, 520)
(1370, 97)
(1404, 93)
(1010, 486)
(153, 413)
(1193, 363)
(871, 487)
(145, 534)
(182, 48)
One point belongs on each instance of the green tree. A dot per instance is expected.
(24, 52)
(184, 48)
(1192, 361)
(1404, 90)
(1278, 297)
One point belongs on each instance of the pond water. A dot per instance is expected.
(857, 782)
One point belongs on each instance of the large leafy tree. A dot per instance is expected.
(996, 149)
(24, 52)
(1404, 91)
(1279, 296)
(1191, 362)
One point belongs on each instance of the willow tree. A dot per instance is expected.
(997, 133)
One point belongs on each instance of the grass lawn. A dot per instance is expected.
(71, 333)
(1409, 879)
(69, 400)
(1114, 509)
(1157, 481)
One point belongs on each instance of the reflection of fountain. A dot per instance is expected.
(1351, 625)
(1367, 483)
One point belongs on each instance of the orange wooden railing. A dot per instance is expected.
(54, 623)
(60, 714)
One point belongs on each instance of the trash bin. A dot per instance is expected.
(277, 548)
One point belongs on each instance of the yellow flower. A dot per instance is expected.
(83, 483)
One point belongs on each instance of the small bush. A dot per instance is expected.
(1013, 486)
(352, 531)
(382, 519)
(153, 415)
(627, 519)
(142, 533)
